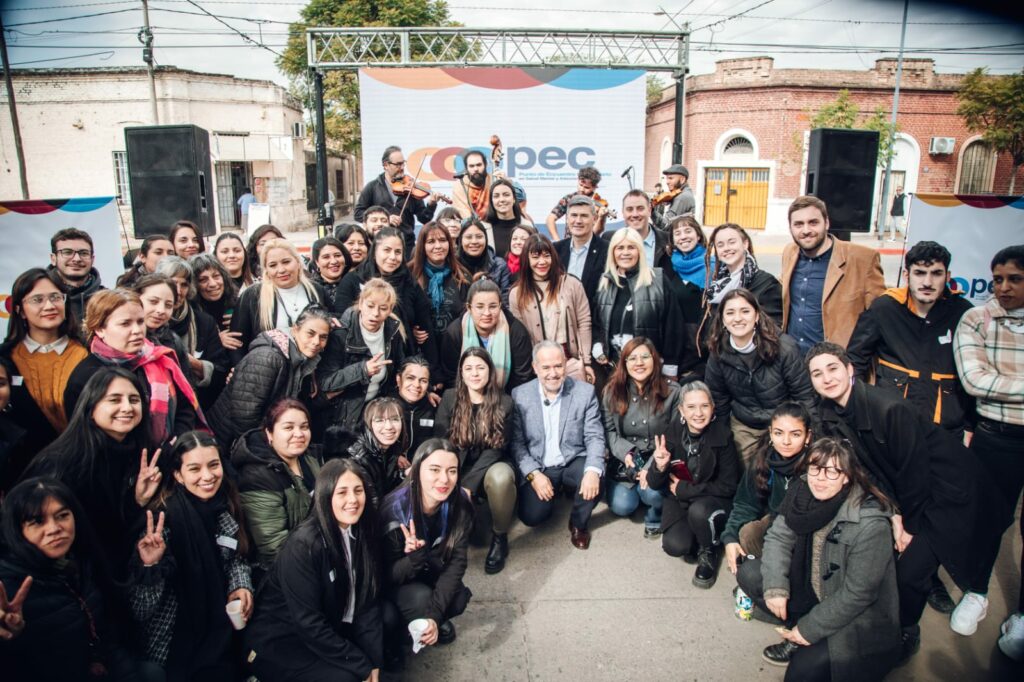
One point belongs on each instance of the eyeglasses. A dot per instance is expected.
(381, 421)
(639, 357)
(831, 473)
(84, 254)
(398, 164)
(55, 298)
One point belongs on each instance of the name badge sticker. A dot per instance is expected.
(225, 541)
(17, 380)
(426, 422)
(331, 575)
(946, 338)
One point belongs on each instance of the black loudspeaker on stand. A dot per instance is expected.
(170, 178)
(841, 169)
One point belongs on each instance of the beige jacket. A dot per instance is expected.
(574, 301)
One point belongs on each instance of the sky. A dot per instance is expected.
(848, 34)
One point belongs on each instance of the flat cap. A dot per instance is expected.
(676, 169)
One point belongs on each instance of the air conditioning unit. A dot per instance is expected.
(299, 130)
(942, 145)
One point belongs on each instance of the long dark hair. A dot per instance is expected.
(824, 450)
(17, 326)
(365, 546)
(186, 443)
(526, 288)
(460, 509)
(616, 392)
(318, 246)
(766, 332)
(486, 427)
(254, 240)
(201, 262)
(75, 453)
(180, 225)
(25, 502)
(492, 215)
(370, 264)
(246, 262)
(418, 263)
(764, 447)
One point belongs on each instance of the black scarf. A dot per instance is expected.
(805, 515)
(783, 466)
(474, 264)
(201, 641)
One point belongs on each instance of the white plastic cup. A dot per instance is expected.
(234, 609)
(416, 630)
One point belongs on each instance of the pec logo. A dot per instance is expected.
(973, 288)
(442, 163)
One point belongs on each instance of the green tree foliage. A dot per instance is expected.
(843, 113)
(994, 107)
(655, 86)
(341, 88)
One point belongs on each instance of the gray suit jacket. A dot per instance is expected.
(579, 422)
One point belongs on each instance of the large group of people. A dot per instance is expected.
(245, 462)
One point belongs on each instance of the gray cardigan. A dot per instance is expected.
(859, 608)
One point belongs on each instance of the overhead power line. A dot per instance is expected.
(246, 37)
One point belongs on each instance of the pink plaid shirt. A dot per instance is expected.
(989, 350)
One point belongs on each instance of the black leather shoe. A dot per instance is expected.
(498, 553)
(446, 632)
(911, 637)
(779, 654)
(939, 599)
(707, 568)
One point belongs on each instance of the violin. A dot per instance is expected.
(410, 186)
(603, 203)
(666, 196)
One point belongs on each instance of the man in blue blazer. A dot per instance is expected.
(583, 254)
(558, 441)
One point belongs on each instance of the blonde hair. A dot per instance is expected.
(103, 304)
(377, 286)
(645, 277)
(268, 289)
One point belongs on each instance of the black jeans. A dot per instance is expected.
(914, 571)
(702, 523)
(810, 664)
(998, 448)
(410, 601)
(534, 511)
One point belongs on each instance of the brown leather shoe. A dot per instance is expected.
(579, 537)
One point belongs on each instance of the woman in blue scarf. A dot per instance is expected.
(437, 270)
(689, 273)
(427, 521)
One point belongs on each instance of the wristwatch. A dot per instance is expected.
(530, 476)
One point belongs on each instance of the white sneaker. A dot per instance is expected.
(971, 610)
(1012, 641)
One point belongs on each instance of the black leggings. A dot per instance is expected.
(700, 525)
(810, 664)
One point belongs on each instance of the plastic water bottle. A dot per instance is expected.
(744, 605)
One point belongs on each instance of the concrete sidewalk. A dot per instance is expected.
(625, 610)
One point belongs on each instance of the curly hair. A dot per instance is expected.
(590, 174)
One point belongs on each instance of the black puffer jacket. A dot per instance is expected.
(62, 608)
(751, 393)
(380, 464)
(274, 368)
(343, 369)
(247, 317)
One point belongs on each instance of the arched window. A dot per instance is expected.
(977, 168)
(666, 154)
(738, 146)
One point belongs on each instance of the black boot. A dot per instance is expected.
(707, 568)
(779, 654)
(911, 642)
(446, 632)
(938, 597)
(498, 553)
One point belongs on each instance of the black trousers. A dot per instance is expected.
(810, 664)
(699, 526)
(534, 511)
(411, 601)
(915, 569)
(998, 448)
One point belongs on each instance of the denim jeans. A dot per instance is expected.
(624, 499)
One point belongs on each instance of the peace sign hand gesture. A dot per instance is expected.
(151, 547)
(412, 543)
(661, 453)
(12, 622)
(148, 481)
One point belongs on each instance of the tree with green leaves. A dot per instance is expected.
(655, 86)
(994, 107)
(843, 113)
(341, 88)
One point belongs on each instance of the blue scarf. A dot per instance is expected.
(435, 285)
(690, 266)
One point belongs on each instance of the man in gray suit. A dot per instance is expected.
(558, 441)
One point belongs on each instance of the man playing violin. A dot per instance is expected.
(683, 203)
(586, 184)
(404, 209)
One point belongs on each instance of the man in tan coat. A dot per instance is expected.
(826, 283)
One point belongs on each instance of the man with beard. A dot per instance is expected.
(636, 212)
(905, 340)
(676, 177)
(471, 194)
(404, 210)
(587, 181)
(826, 283)
(72, 256)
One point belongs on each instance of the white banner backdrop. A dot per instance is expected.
(551, 121)
(973, 228)
(26, 228)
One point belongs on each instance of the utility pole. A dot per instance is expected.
(146, 38)
(14, 113)
(884, 204)
(324, 213)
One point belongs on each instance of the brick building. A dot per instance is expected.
(747, 125)
(72, 126)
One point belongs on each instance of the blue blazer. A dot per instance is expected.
(581, 432)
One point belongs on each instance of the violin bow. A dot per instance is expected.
(409, 194)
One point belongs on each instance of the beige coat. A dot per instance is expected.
(854, 279)
(574, 300)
